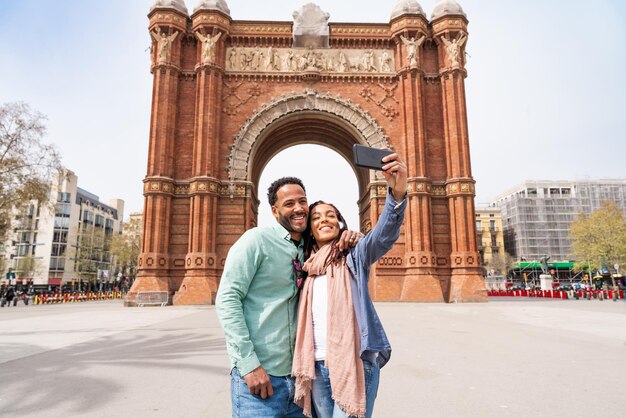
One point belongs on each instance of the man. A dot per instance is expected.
(257, 304)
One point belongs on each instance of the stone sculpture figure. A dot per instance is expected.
(310, 27)
(310, 20)
(164, 43)
(290, 61)
(244, 60)
(385, 62)
(368, 61)
(208, 47)
(344, 65)
(273, 60)
(412, 45)
(270, 59)
(232, 59)
(453, 49)
(302, 60)
(255, 59)
(312, 63)
(330, 62)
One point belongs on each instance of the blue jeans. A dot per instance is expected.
(279, 405)
(322, 392)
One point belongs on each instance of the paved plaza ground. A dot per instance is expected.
(506, 358)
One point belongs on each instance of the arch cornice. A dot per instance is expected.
(365, 126)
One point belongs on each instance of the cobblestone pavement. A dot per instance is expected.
(506, 358)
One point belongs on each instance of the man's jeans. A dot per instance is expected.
(279, 405)
(322, 392)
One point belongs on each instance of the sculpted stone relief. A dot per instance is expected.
(164, 43)
(453, 49)
(309, 59)
(412, 46)
(208, 46)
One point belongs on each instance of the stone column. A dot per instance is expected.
(166, 26)
(466, 282)
(201, 264)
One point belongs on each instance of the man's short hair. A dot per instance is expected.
(277, 184)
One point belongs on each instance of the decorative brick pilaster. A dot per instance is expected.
(466, 282)
(153, 264)
(201, 279)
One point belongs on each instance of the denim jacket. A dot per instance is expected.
(375, 346)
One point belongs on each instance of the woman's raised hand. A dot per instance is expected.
(395, 172)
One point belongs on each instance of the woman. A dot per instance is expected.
(340, 343)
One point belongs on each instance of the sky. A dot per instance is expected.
(546, 96)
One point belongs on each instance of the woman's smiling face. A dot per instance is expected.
(324, 224)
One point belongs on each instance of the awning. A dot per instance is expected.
(55, 281)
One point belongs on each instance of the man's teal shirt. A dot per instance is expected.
(257, 300)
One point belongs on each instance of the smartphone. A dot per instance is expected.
(369, 157)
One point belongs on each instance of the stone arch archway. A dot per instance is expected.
(362, 127)
(309, 117)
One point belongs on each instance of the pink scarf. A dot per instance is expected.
(344, 364)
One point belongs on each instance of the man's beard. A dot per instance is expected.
(284, 221)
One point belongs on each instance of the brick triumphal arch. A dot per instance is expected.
(228, 95)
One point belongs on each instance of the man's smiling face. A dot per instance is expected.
(291, 209)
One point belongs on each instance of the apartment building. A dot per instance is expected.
(536, 215)
(490, 236)
(65, 239)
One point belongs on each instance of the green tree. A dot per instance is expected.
(27, 164)
(125, 247)
(599, 238)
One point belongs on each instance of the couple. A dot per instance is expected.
(301, 330)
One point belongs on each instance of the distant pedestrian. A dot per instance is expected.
(10, 295)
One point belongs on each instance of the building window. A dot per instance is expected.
(64, 197)
(61, 223)
(22, 250)
(58, 250)
(88, 217)
(63, 210)
(57, 264)
(59, 236)
(23, 237)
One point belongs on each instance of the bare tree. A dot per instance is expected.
(27, 164)
(29, 267)
(86, 252)
(500, 263)
(126, 247)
